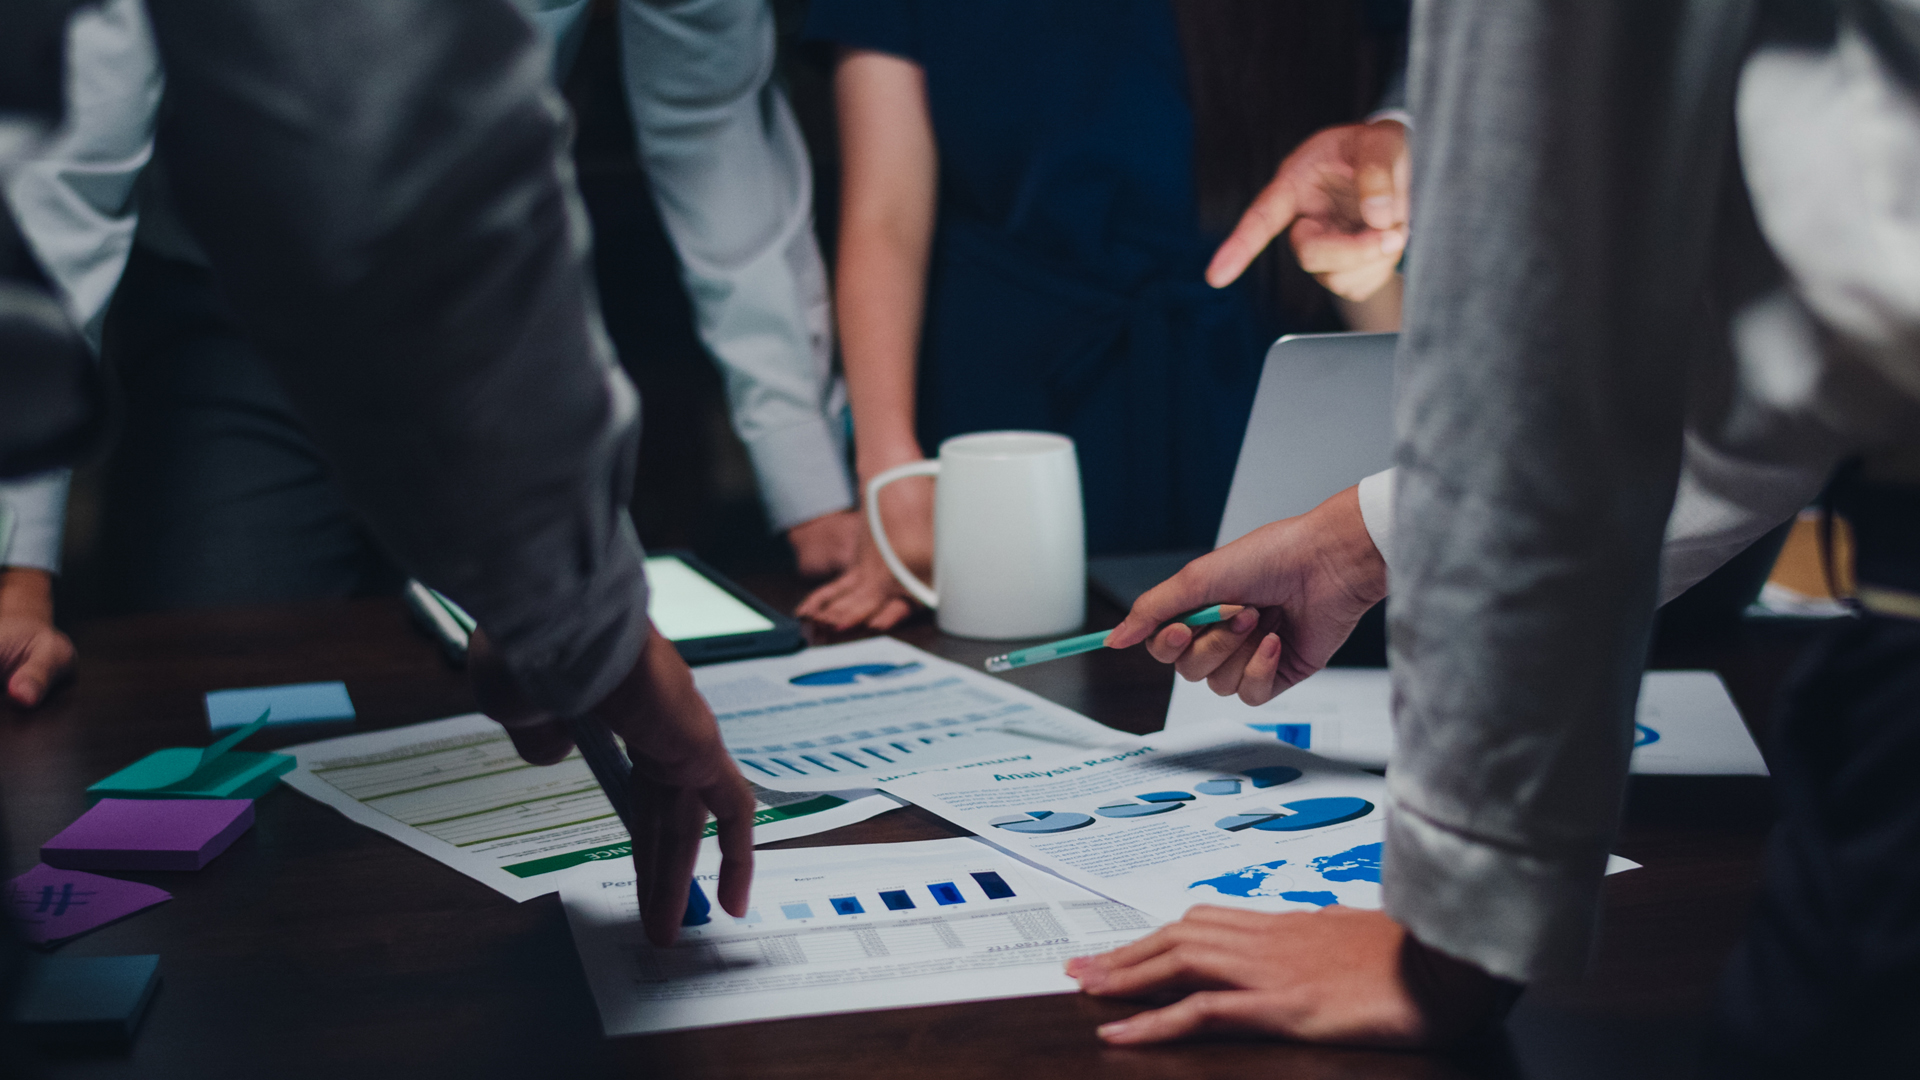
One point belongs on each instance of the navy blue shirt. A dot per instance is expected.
(1065, 290)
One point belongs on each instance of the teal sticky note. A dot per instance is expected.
(290, 704)
(66, 1000)
(213, 772)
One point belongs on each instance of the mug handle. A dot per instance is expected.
(907, 581)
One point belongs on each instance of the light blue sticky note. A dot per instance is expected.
(290, 704)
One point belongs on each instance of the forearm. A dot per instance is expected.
(886, 235)
(382, 186)
(882, 284)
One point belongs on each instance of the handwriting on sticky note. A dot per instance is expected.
(51, 905)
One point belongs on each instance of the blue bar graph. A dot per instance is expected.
(847, 905)
(797, 911)
(897, 900)
(993, 885)
(946, 893)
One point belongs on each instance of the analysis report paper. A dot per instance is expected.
(1687, 723)
(1215, 814)
(841, 929)
(455, 790)
(854, 715)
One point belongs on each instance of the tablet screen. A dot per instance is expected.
(685, 605)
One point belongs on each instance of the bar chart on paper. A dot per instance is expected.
(883, 926)
(854, 715)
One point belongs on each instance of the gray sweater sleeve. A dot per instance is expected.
(1564, 178)
(383, 190)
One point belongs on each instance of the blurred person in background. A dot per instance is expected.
(1034, 199)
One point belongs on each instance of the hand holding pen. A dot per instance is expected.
(1306, 581)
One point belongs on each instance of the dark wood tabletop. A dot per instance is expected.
(315, 947)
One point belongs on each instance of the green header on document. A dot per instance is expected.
(536, 867)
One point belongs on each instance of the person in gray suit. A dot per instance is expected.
(1667, 286)
(383, 192)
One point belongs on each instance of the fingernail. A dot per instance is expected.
(1376, 206)
(1244, 621)
(1114, 1030)
(1392, 242)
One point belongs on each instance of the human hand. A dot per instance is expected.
(1344, 192)
(1337, 975)
(681, 771)
(34, 656)
(1307, 580)
(827, 544)
(868, 593)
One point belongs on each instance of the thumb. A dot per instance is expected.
(25, 688)
(1373, 181)
(48, 657)
(1272, 211)
(1168, 600)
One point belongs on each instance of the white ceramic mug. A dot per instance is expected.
(1009, 535)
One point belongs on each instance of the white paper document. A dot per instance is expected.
(455, 790)
(1687, 724)
(841, 929)
(854, 715)
(1216, 815)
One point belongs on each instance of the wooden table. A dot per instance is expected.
(315, 947)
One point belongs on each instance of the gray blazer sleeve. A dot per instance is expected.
(383, 190)
(1564, 179)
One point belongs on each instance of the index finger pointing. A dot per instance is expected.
(1272, 211)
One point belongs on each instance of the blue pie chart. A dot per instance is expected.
(1314, 813)
(1267, 776)
(1124, 810)
(1246, 819)
(1041, 821)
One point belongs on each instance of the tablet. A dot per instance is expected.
(709, 618)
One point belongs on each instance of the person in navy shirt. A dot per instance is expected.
(1025, 241)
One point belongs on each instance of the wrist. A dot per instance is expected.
(1347, 550)
(26, 593)
(871, 462)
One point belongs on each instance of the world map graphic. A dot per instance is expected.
(1268, 879)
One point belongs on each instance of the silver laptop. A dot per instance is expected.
(1322, 421)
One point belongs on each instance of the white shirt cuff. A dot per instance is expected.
(801, 473)
(1376, 511)
(38, 506)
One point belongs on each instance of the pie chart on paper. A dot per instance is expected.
(1041, 822)
(1298, 816)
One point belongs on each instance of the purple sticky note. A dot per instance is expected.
(149, 834)
(49, 904)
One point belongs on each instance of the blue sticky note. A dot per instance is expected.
(289, 704)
